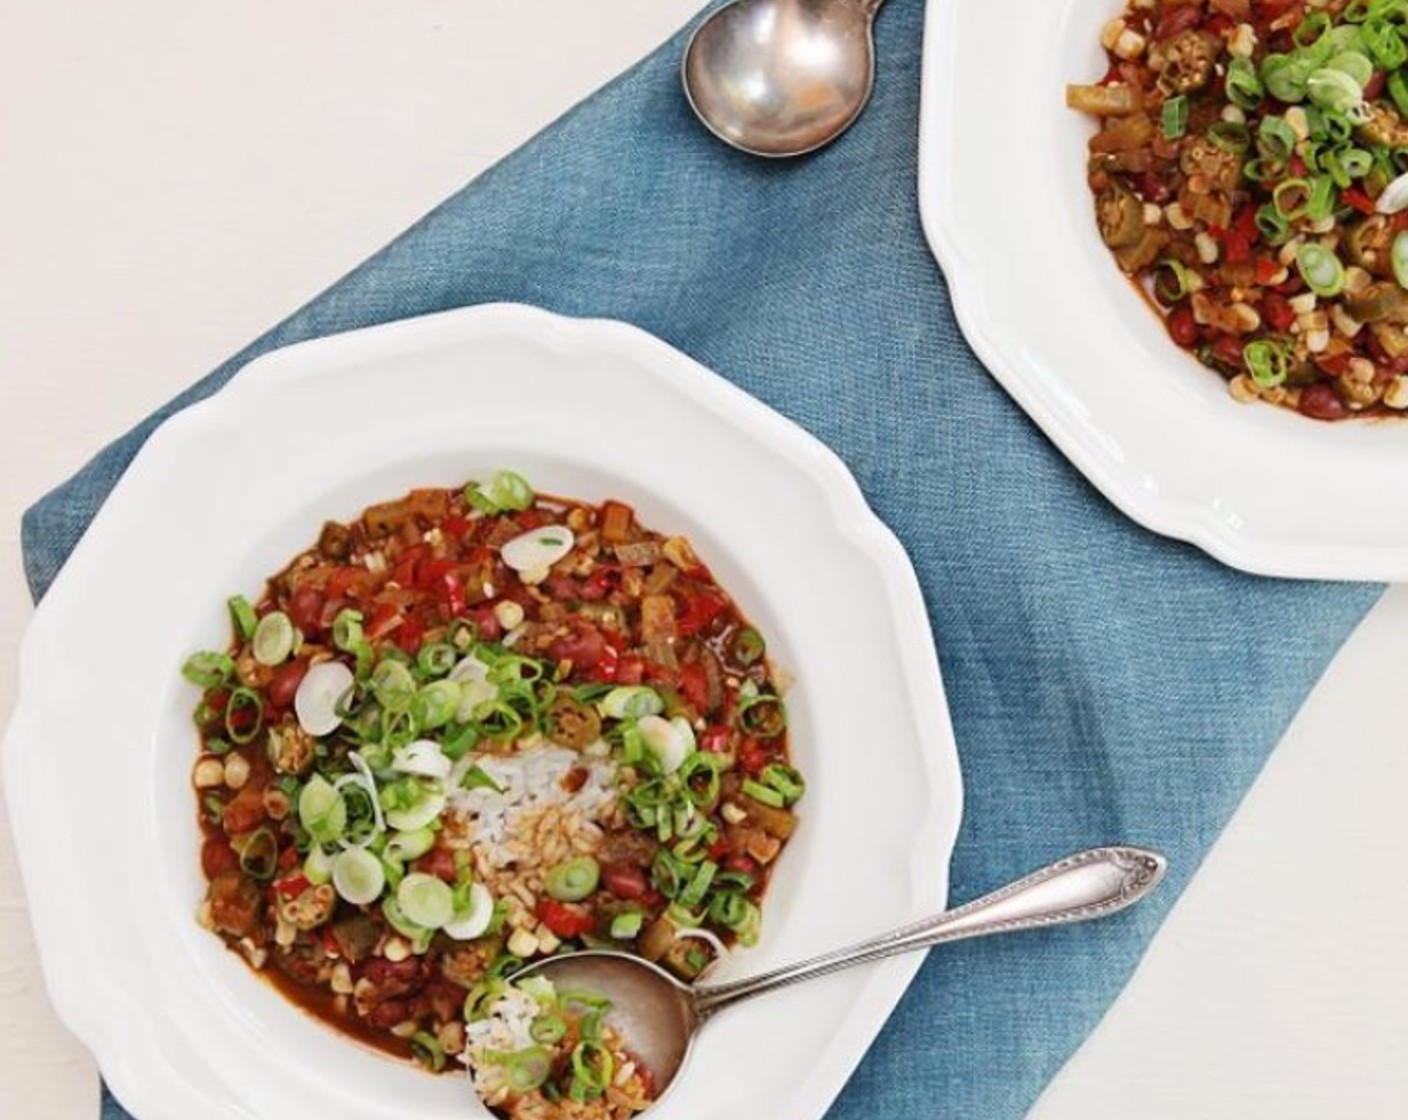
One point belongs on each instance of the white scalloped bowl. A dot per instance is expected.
(98, 754)
(1005, 206)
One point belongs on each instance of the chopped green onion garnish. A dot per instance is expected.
(764, 716)
(1399, 258)
(1320, 269)
(426, 1049)
(1268, 362)
(425, 900)
(208, 669)
(766, 794)
(244, 707)
(574, 880)
(628, 925)
(243, 616)
(1175, 117)
(259, 855)
(524, 1070)
(787, 781)
(547, 1029)
(273, 639)
(748, 646)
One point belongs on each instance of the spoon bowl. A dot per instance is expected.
(782, 77)
(658, 1017)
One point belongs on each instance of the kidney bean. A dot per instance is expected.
(387, 1015)
(624, 880)
(217, 857)
(283, 685)
(1182, 327)
(1178, 20)
(1321, 402)
(306, 609)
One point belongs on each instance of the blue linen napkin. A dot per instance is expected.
(1107, 685)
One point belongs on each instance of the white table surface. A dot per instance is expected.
(176, 176)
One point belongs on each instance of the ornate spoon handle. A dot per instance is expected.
(1087, 885)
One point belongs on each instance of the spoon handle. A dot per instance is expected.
(1087, 885)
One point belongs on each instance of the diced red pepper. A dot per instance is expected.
(701, 607)
(292, 888)
(695, 686)
(452, 593)
(1356, 197)
(385, 618)
(455, 527)
(565, 921)
(1267, 270)
(409, 635)
(630, 669)
(1278, 312)
(752, 757)
(342, 581)
(1237, 242)
(431, 573)
(715, 739)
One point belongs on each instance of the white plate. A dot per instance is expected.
(98, 755)
(1004, 201)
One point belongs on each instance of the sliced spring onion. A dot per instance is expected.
(1272, 225)
(748, 646)
(785, 780)
(524, 1070)
(1399, 257)
(695, 890)
(766, 794)
(469, 668)
(419, 936)
(475, 918)
(273, 639)
(259, 855)
(1244, 88)
(763, 717)
(1171, 282)
(592, 1070)
(244, 715)
(538, 549)
(1230, 136)
(574, 880)
(208, 669)
(243, 616)
(317, 866)
(1357, 65)
(1267, 361)
(424, 758)
(393, 685)
(1394, 197)
(322, 811)
(548, 1029)
(1320, 269)
(506, 490)
(1335, 90)
(426, 1049)
(1291, 198)
(437, 704)
(358, 876)
(631, 702)
(364, 771)
(1175, 117)
(628, 925)
(1275, 139)
(406, 846)
(411, 803)
(670, 741)
(347, 630)
(425, 900)
(319, 696)
(436, 659)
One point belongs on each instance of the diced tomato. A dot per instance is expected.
(451, 591)
(1333, 364)
(305, 608)
(584, 646)
(1356, 197)
(741, 865)
(1219, 24)
(656, 673)
(1278, 312)
(695, 686)
(1266, 270)
(439, 862)
(715, 739)
(597, 585)
(292, 888)
(752, 757)
(386, 618)
(625, 880)
(217, 857)
(604, 670)
(283, 685)
(404, 573)
(343, 580)
(431, 573)
(719, 848)
(1182, 327)
(289, 858)
(1237, 242)
(531, 519)
(565, 921)
(409, 635)
(630, 670)
(701, 607)
(455, 527)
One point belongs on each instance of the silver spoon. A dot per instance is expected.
(657, 1016)
(782, 77)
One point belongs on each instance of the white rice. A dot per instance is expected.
(530, 780)
(504, 1029)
